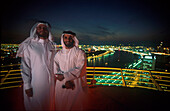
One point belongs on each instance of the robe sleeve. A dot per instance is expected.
(56, 68)
(26, 69)
(76, 71)
(56, 65)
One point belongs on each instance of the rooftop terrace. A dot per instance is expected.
(107, 98)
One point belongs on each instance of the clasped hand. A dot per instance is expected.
(29, 92)
(69, 85)
(59, 77)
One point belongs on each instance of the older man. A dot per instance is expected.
(70, 70)
(37, 54)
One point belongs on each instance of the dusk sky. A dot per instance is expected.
(105, 22)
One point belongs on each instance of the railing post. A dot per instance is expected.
(3, 79)
(93, 74)
(124, 83)
(156, 84)
(93, 82)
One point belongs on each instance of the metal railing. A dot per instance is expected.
(10, 79)
(109, 76)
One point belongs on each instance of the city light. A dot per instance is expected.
(96, 53)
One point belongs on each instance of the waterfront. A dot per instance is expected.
(130, 66)
(117, 59)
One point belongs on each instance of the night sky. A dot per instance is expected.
(97, 22)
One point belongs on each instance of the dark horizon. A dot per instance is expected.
(114, 43)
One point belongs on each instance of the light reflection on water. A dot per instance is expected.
(118, 59)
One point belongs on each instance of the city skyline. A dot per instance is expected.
(95, 22)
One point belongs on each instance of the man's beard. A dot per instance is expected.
(42, 35)
(70, 45)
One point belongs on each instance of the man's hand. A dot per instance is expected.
(70, 85)
(59, 77)
(29, 92)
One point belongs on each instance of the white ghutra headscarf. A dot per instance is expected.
(76, 41)
(33, 36)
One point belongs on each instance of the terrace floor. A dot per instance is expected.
(102, 98)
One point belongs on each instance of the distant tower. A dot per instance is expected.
(148, 62)
(118, 55)
(160, 47)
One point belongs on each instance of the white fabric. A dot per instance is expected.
(37, 73)
(74, 38)
(34, 36)
(72, 62)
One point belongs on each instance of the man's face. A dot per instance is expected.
(42, 31)
(68, 40)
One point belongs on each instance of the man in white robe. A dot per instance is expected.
(37, 58)
(70, 70)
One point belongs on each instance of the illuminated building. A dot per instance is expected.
(148, 62)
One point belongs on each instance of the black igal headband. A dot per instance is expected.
(69, 32)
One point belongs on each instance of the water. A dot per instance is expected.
(119, 59)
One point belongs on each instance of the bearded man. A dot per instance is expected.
(37, 55)
(70, 70)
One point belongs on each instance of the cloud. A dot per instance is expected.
(100, 37)
(102, 28)
(103, 34)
